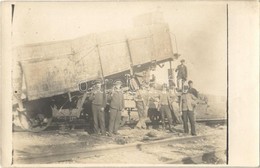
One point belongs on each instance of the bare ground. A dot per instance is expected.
(48, 141)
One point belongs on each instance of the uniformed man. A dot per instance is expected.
(117, 106)
(164, 107)
(182, 74)
(188, 103)
(98, 98)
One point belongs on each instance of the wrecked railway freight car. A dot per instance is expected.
(54, 68)
(46, 76)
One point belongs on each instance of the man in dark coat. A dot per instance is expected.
(98, 98)
(192, 90)
(117, 105)
(182, 73)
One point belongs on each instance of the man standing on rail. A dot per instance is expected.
(117, 105)
(182, 74)
(188, 103)
(98, 98)
(164, 107)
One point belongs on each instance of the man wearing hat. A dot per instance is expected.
(117, 105)
(164, 107)
(188, 104)
(98, 98)
(181, 73)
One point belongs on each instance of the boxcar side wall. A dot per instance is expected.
(56, 68)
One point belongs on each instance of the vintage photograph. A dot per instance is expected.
(119, 83)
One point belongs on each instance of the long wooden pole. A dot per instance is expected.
(99, 58)
(130, 58)
(102, 73)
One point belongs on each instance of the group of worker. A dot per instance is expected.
(181, 101)
(175, 105)
(99, 102)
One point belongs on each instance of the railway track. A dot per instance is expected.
(213, 121)
(81, 125)
(68, 153)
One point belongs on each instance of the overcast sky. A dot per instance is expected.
(200, 30)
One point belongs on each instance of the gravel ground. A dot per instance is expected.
(41, 142)
(162, 154)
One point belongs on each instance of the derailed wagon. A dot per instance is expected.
(55, 77)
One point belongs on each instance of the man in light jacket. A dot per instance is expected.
(188, 103)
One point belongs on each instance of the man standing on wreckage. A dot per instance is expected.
(182, 74)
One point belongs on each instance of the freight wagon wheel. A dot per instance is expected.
(37, 115)
(154, 115)
(34, 124)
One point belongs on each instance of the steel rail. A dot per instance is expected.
(65, 153)
(55, 127)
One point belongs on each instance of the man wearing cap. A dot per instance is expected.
(98, 98)
(117, 105)
(181, 73)
(188, 104)
(164, 107)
